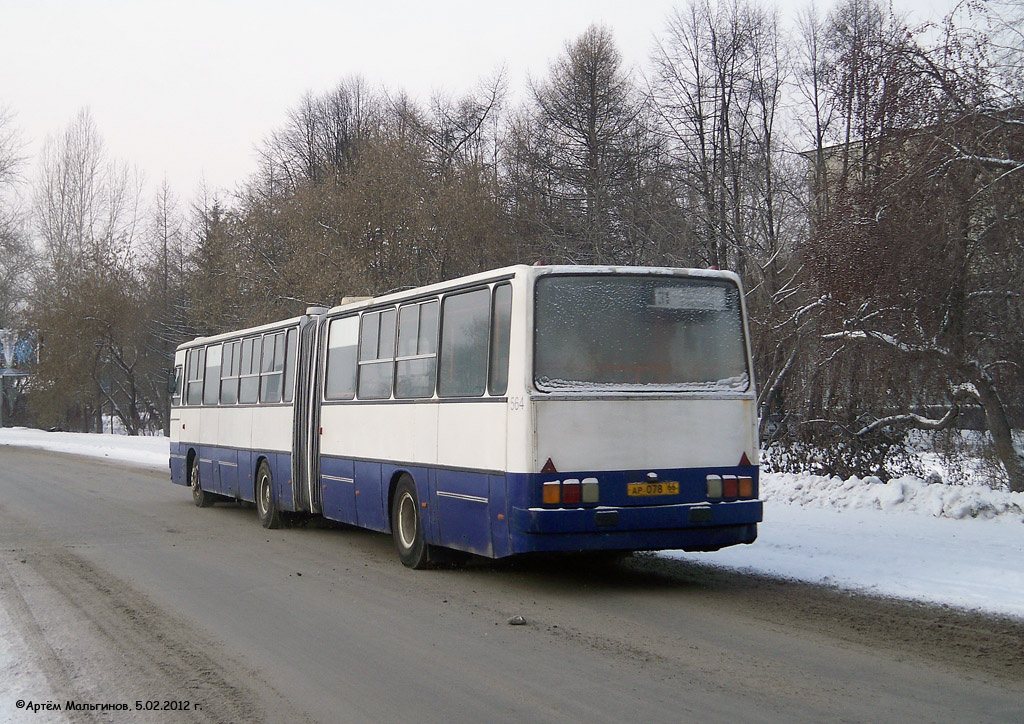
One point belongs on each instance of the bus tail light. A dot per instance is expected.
(714, 487)
(571, 492)
(730, 486)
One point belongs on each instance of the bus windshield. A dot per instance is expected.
(629, 333)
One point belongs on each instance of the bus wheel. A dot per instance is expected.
(407, 526)
(265, 506)
(200, 497)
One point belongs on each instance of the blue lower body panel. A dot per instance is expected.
(463, 510)
(685, 519)
(232, 473)
(689, 526)
(494, 514)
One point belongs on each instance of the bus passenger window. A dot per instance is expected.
(289, 365)
(464, 330)
(417, 350)
(342, 341)
(501, 326)
(249, 383)
(408, 326)
(376, 355)
(194, 384)
(229, 369)
(272, 370)
(211, 391)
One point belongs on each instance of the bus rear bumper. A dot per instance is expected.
(698, 526)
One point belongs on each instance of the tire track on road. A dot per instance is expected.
(36, 647)
(97, 640)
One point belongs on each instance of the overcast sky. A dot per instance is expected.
(187, 89)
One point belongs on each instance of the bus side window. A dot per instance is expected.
(465, 319)
(249, 383)
(272, 370)
(289, 364)
(342, 340)
(376, 355)
(194, 383)
(501, 327)
(229, 369)
(211, 391)
(416, 366)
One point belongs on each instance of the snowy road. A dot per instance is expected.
(115, 589)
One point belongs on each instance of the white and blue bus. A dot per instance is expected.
(531, 408)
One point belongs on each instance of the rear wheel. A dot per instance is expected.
(200, 497)
(407, 526)
(266, 507)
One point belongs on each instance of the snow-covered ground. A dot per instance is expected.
(150, 452)
(960, 545)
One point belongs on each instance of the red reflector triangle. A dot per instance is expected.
(549, 467)
(744, 461)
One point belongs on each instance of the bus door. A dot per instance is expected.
(304, 439)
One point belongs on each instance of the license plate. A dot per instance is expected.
(636, 490)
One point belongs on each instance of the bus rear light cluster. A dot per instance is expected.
(730, 487)
(572, 491)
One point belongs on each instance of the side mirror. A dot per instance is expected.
(174, 382)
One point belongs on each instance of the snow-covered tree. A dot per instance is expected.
(920, 258)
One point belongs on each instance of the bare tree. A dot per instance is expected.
(585, 127)
(87, 304)
(702, 91)
(164, 265)
(457, 132)
(320, 136)
(16, 256)
(15, 253)
(86, 206)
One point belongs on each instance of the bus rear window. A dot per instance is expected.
(638, 334)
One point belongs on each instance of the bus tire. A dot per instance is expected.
(407, 526)
(200, 497)
(266, 508)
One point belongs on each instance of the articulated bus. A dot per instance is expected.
(531, 408)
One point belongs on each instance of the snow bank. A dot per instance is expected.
(149, 452)
(973, 564)
(907, 494)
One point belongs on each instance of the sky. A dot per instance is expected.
(186, 90)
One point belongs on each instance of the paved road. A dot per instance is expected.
(119, 589)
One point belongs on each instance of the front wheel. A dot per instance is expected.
(266, 508)
(407, 526)
(200, 497)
